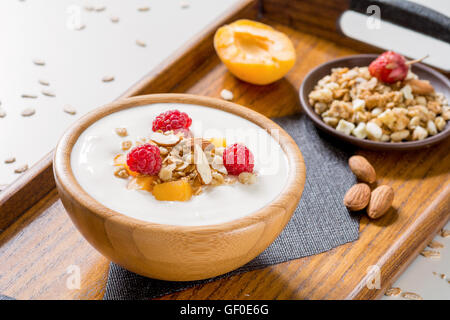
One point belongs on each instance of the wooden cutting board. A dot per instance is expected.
(39, 245)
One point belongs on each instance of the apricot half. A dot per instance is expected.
(254, 52)
(179, 190)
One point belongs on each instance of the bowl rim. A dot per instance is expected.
(365, 143)
(66, 180)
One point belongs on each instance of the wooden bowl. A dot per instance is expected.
(439, 82)
(171, 252)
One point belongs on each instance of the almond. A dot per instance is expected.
(357, 197)
(202, 165)
(205, 144)
(165, 140)
(380, 201)
(420, 87)
(362, 169)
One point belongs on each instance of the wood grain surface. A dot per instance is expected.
(40, 245)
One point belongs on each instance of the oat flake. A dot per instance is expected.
(141, 43)
(107, 78)
(39, 62)
(28, 112)
(10, 160)
(392, 292)
(21, 169)
(411, 296)
(44, 82)
(47, 93)
(69, 109)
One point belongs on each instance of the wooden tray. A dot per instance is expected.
(39, 244)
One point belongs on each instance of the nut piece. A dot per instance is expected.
(122, 132)
(121, 173)
(357, 197)
(380, 201)
(421, 87)
(126, 145)
(247, 178)
(362, 169)
(202, 165)
(165, 140)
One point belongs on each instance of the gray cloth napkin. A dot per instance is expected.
(319, 223)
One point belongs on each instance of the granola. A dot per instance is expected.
(355, 103)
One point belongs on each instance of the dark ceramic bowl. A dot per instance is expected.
(439, 82)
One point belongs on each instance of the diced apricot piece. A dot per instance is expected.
(254, 52)
(218, 142)
(179, 190)
(141, 183)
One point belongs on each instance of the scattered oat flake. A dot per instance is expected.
(442, 276)
(143, 9)
(44, 82)
(80, 27)
(47, 93)
(393, 292)
(115, 19)
(411, 296)
(435, 244)
(89, 8)
(10, 160)
(141, 43)
(430, 254)
(445, 233)
(226, 94)
(29, 96)
(121, 132)
(107, 78)
(184, 4)
(69, 109)
(2, 113)
(21, 169)
(28, 112)
(100, 9)
(39, 62)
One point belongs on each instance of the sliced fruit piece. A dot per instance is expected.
(179, 190)
(218, 142)
(254, 52)
(141, 183)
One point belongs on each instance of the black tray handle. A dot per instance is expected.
(410, 15)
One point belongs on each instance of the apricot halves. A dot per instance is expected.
(254, 52)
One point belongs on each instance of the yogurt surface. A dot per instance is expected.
(92, 164)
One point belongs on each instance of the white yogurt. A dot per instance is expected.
(92, 164)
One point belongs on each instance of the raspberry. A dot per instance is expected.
(144, 159)
(389, 67)
(237, 158)
(171, 120)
